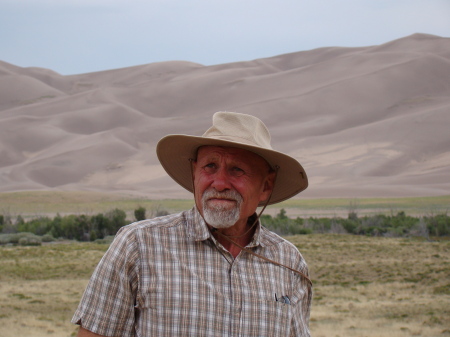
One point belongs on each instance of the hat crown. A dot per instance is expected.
(240, 128)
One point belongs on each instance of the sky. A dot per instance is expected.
(81, 36)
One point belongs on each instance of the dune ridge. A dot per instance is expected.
(364, 122)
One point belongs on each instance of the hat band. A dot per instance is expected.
(239, 140)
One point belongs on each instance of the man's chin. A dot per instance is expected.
(221, 218)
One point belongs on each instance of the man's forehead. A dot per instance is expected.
(235, 153)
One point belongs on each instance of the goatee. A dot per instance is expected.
(220, 215)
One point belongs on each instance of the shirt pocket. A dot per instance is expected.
(265, 318)
(199, 310)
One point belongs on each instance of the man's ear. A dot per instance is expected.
(268, 186)
(193, 167)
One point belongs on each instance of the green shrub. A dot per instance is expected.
(106, 240)
(15, 237)
(100, 226)
(47, 238)
(30, 240)
(350, 225)
(139, 213)
(161, 212)
(38, 226)
(438, 225)
(4, 239)
(117, 219)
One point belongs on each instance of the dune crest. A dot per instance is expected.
(364, 122)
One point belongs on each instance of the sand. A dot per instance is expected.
(364, 122)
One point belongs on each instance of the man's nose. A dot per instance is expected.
(221, 180)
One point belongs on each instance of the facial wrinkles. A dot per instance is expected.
(220, 215)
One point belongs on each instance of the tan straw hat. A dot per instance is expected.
(232, 129)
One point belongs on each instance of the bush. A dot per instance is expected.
(102, 226)
(47, 238)
(15, 237)
(30, 240)
(350, 225)
(438, 225)
(106, 240)
(23, 239)
(4, 239)
(139, 213)
(38, 226)
(161, 212)
(283, 225)
(116, 218)
(72, 227)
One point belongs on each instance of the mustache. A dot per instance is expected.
(228, 194)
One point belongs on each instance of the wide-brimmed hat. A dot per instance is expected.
(232, 129)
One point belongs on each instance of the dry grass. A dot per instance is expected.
(38, 203)
(48, 203)
(40, 287)
(365, 286)
(362, 286)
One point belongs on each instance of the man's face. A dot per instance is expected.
(229, 184)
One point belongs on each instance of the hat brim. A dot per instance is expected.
(174, 152)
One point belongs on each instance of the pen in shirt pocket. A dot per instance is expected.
(283, 299)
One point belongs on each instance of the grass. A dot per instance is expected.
(38, 203)
(363, 286)
(416, 206)
(41, 203)
(366, 286)
(41, 286)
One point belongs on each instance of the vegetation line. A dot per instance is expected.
(102, 227)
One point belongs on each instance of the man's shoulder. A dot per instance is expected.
(166, 221)
(150, 229)
(279, 243)
(284, 251)
(272, 238)
(179, 225)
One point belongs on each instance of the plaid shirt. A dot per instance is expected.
(169, 277)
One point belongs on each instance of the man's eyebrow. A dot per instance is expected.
(210, 157)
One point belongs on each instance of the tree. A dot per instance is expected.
(101, 226)
(117, 219)
(282, 215)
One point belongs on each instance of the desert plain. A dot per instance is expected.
(363, 286)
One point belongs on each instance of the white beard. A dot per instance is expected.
(221, 216)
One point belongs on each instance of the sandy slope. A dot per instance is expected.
(371, 121)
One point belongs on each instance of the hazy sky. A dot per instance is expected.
(79, 36)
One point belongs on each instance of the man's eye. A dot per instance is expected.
(209, 167)
(237, 171)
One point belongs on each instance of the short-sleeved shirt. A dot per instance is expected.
(169, 277)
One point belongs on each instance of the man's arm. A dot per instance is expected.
(86, 333)
(107, 305)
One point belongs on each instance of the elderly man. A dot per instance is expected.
(212, 270)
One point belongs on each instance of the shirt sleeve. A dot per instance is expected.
(107, 305)
(302, 309)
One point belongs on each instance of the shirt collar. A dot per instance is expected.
(196, 226)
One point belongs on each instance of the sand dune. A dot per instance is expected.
(368, 121)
